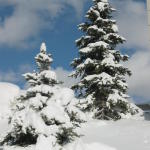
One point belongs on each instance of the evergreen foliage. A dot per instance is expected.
(99, 65)
(37, 112)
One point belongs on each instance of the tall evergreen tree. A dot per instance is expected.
(99, 65)
(38, 113)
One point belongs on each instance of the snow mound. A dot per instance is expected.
(7, 93)
(80, 145)
(19, 148)
(126, 134)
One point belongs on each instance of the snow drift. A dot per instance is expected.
(7, 93)
(125, 134)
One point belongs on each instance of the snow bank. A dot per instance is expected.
(125, 134)
(7, 92)
(19, 148)
(80, 145)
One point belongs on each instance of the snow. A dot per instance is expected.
(86, 62)
(115, 28)
(43, 142)
(114, 97)
(38, 101)
(95, 28)
(122, 135)
(45, 110)
(92, 11)
(127, 134)
(101, 6)
(28, 118)
(102, 78)
(57, 108)
(55, 111)
(79, 145)
(86, 37)
(7, 92)
(43, 57)
(105, 20)
(98, 44)
(115, 35)
(65, 95)
(90, 46)
(105, 1)
(48, 74)
(109, 60)
(31, 77)
(122, 84)
(43, 47)
(18, 148)
(46, 89)
(85, 50)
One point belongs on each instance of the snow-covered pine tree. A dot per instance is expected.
(99, 65)
(39, 113)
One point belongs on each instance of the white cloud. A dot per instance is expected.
(132, 21)
(9, 76)
(15, 76)
(30, 18)
(62, 75)
(78, 5)
(139, 82)
(133, 25)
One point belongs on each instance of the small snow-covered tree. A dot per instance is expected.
(40, 111)
(99, 65)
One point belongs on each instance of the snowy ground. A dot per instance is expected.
(121, 135)
(98, 135)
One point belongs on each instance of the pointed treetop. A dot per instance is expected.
(43, 59)
(43, 48)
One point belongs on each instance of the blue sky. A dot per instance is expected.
(24, 26)
(59, 38)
